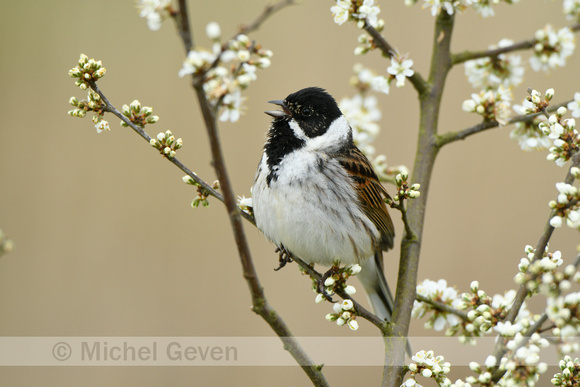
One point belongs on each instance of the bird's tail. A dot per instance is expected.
(373, 280)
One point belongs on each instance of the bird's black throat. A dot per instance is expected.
(281, 141)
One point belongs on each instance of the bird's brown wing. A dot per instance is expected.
(370, 192)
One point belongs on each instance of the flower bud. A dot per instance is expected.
(213, 31)
(474, 286)
(561, 111)
(135, 106)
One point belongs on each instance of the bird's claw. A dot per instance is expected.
(284, 257)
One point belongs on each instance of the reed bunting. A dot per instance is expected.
(316, 195)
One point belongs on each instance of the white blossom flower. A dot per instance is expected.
(196, 60)
(102, 125)
(246, 75)
(355, 269)
(232, 104)
(352, 324)
(507, 328)
(483, 7)
(566, 138)
(491, 104)
(155, 11)
(574, 106)
(341, 11)
(503, 70)
(438, 291)
(438, 5)
(363, 115)
(552, 48)
(245, 203)
(226, 70)
(503, 301)
(380, 84)
(213, 31)
(350, 290)
(490, 361)
(400, 68)
(411, 383)
(530, 138)
(347, 304)
(428, 365)
(572, 9)
(369, 11)
(365, 78)
(528, 134)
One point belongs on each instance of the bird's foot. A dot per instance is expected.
(284, 257)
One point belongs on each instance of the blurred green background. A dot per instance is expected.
(106, 243)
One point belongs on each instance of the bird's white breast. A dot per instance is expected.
(311, 208)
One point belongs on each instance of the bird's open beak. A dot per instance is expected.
(278, 113)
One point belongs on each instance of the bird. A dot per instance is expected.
(315, 195)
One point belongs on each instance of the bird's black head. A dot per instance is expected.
(308, 116)
(312, 108)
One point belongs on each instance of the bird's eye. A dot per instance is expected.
(307, 111)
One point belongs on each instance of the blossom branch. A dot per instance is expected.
(359, 309)
(536, 327)
(269, 10)
(500, 347)
(442, 306)
(450, 137)
(540, 248)
(260, 304)
(523, 45)
(109, 107)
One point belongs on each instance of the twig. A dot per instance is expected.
(109, 107)
(442, 307)
(268, 11)
(359, 309)
(470, 55)
(183, 27)
(450, 137)
(523, 45)
(403, 210)
(259, 303)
